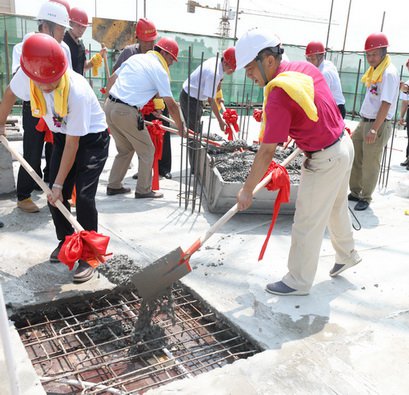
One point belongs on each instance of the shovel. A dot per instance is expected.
(175, 131)
(154, 279)
(92, 243)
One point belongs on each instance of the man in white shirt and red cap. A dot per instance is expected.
(53, 20)
(68, 105)
(139, 79)
(202, 86)
(375, 128)
(315, 53)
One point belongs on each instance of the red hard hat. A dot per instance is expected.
(375, 41)
(42, 58)
(314, 48)
(64, 3)
(145, 30)
(78, 15)
(229, 56)
(170, 46)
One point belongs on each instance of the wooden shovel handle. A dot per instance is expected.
(107, 73)
(64, 211)
(173, 130)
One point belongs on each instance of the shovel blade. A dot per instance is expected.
(155, 278)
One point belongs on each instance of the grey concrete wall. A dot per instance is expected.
(7, 183)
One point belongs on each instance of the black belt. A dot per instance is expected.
(115, 100)
(363, 119)
(309, 153)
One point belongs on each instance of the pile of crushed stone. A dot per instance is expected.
(235, 166)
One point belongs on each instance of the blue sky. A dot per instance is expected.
(365, 18)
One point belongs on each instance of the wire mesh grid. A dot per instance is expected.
(90, 347)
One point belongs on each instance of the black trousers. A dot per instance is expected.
(192, 110)
(342, 110)
(165, 164)
(89, 162)
(33, 143)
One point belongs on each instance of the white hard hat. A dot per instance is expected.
(54, 12)
(251, 43)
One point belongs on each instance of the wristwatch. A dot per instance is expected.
(372, 131)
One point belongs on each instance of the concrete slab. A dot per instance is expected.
(28, 382)
(349, 336)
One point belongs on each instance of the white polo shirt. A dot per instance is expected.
(404, 96)
(85, 114)
(387, 90)
(140, 78)
(208, 87)
(330, 73)
(19, 46)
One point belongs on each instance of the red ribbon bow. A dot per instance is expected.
(258, 115)
(148, 108)
(103, 90)
(156, 132)
(279, 180)
(231, 117)
(43, 127)
(85, 245)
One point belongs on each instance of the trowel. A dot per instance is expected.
(156, 278)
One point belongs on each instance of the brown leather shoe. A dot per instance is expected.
(151, 194)
(117, 191)
(28, 206)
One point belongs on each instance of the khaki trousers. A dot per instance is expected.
(321, 202)
(367, 161)
(122, 121)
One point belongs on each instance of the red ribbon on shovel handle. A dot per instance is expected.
(85, 245)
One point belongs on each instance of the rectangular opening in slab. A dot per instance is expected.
(90, 345)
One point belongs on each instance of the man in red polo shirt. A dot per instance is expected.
(299, 104)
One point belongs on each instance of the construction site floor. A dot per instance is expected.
(350, 335)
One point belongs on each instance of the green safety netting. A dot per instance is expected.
(236, 89)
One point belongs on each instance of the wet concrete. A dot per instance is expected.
(119, 269)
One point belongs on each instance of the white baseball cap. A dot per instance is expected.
(251, 43)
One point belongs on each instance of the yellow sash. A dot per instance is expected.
(37, 101)
(372, 75)
(299, 86)
(158, 103)
(161, 60)
(219, 97)
(96, 61)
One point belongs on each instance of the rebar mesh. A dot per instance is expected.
(88, 347)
